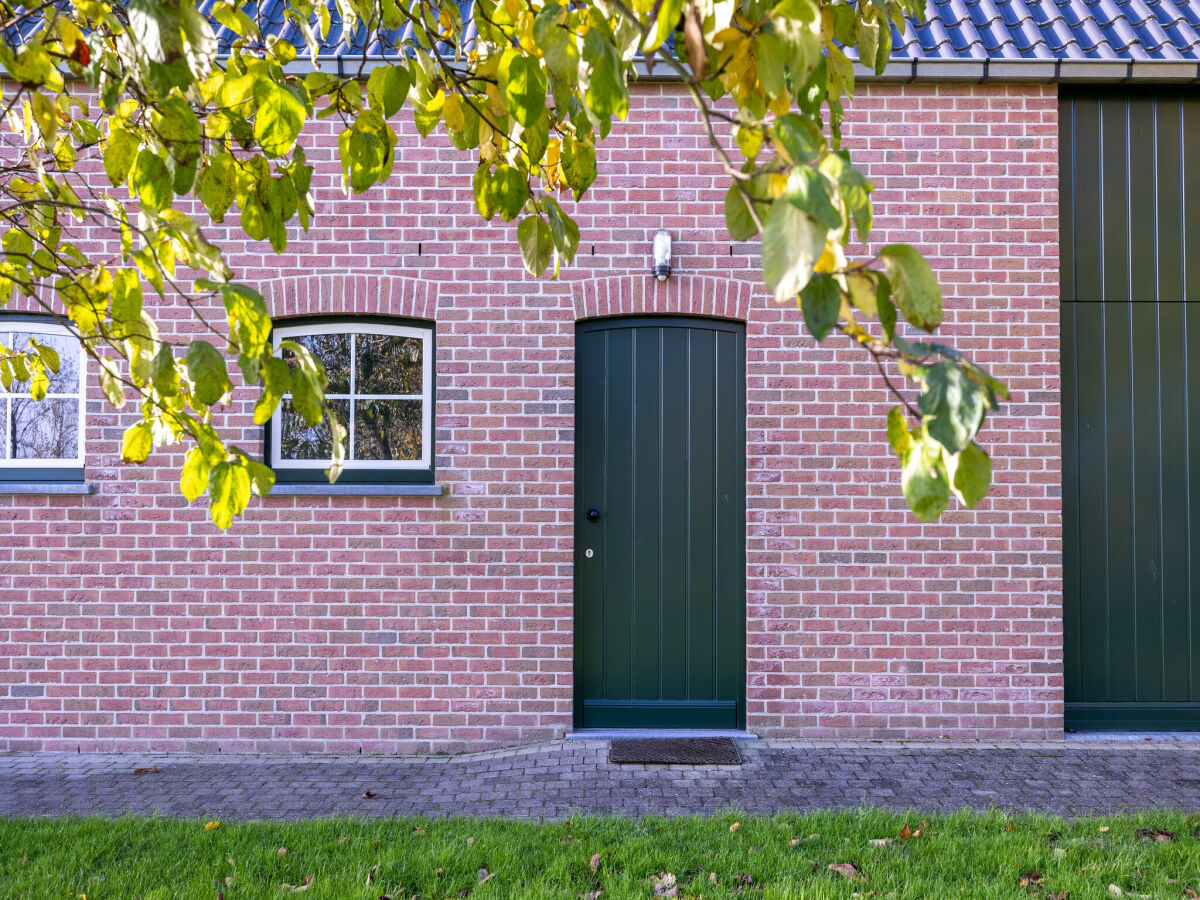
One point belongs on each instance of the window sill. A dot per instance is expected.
(318, 489)
(46, 487)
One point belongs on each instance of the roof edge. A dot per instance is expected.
(961, 71)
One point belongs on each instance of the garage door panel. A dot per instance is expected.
(1131, 408)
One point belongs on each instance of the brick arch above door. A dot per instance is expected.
(694, 295)
(351, 292)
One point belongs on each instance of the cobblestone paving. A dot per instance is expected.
(561, 779)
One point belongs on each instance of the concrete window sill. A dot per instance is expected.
(46, 487)
(317, 489)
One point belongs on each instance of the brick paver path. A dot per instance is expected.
(564, 778)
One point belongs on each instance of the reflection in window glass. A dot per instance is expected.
(300, 440)
(387, 429)
(45, 429)
(41, 433)
(387, 364)
(333, 350)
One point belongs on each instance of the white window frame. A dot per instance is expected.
(16, 325)
(354, 327)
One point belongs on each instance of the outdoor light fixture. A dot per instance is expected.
(662, 255)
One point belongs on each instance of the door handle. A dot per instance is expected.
(593, 514)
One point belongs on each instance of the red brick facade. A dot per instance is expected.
(401, 624)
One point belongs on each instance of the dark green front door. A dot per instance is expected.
(1130, 214)
(660, 475)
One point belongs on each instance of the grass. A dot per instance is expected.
(787, 856)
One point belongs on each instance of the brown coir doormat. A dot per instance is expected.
(675, 751)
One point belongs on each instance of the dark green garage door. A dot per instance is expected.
(1130, 213)
(660, 475)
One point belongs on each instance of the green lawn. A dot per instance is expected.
(963, 855)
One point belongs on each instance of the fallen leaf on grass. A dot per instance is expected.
(371, 874)
(1032, 878)
(367, 795)
(228, 881)
(1103, 829)
(470, 841)
(341, 840)
(145, 771)
(302, 886)
(743, 881)
(1011, 827)
(1060, 851)
(793, 842)
(1063, 896)
(1190, 894)
(212, 826)
(665, 886)
(712, 877)
(590, 895)
(1112, 888)
(1154, 834)
(849, 869)
(905, 832)
(880, 842)
(594, 862)
(734, 827)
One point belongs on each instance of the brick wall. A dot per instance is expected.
(127, 621)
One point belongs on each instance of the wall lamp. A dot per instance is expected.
(661, 262)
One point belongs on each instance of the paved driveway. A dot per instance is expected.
(571, 777)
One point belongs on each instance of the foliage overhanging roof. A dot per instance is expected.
(1041, 30)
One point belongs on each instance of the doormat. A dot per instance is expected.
(675, 751)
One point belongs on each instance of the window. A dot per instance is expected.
(43, 439)
(380, 387)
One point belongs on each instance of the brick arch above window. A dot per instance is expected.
(366, 293)
(695, 295)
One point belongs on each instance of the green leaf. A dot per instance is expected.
(579, 165)
(970, 475)
(228, 491)
(800, 140)
(277, 381)
(308, 382)
(916, 287)
(120, 150)
(163, 373)
(137, 442)
(563, 229)
(110, 383)
(887, 310)
(279, 118)
(206, 369)
(127, 298)
(193, 480)
(791, 245)
(249, 321)
(387, 88)
(808, 190)
(511, 191)
(217, 187)
(48, 354)
(606, 93)
(523, 85)
(262, 479)
(924, 481)
(427, 111)
(898, 434)
(178, 128)
(558, 44)
(953, 404)
(150, 181)
(861, 287)
(537, 244)
(669, 12)
(39, 382)
(737, 215)
(820, 301)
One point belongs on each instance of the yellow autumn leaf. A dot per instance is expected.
(212, 826)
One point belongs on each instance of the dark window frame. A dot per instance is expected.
(361, 324)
